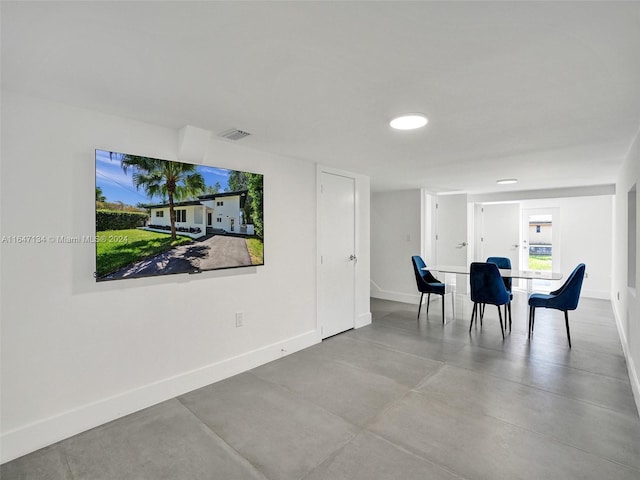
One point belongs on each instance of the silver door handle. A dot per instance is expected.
(463, 244)
(516, 245)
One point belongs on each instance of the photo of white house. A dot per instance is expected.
(159, 217)
(214, 213)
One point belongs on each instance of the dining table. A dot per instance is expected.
(451, 272)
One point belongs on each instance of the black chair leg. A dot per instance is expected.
(533, 319)
(509, 310)
(443, 309)
(566, 321)
(530, 316)
(428, 300)
(420, 304)
(473, 314)
(500, 316)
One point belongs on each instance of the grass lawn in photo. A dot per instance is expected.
(118, 248)
(540, 262)
(256, 250)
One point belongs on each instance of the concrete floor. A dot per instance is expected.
(399, 399)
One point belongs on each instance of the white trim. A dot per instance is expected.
(377, 292)
(42, 433)
(631, 367)
(363, 320)
(598, 294)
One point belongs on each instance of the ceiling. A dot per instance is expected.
(548, 93)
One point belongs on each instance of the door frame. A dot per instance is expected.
(362, 313)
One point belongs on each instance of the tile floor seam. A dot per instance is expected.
(535, 432)
(443, 340)
(222, 439)
(356, 428)
(359, 428)
(391, 349)
(414, 454)
(351, 365)
(575, 399)
(524, 357)
(574, 348)
(547, 362)
(418, 453)
(562, 442)
(332, 454)
(66, 460)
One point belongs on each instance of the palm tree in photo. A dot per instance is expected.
(161, 178)
(100, 197)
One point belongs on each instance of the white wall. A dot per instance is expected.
(585, 233)
(626, 301)
(76, 353)
(396, 228)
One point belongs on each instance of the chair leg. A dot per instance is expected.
(443, 309)
(509, 310)
(533, 319)
(530, 323)
(566, 321)
(420, 304)
(500, 316)
(428, 300)
(473, 314)
(482, 312)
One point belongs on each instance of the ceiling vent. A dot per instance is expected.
(234, 134)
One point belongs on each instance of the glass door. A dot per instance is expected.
(539, 249)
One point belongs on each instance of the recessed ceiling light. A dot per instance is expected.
(408, 121)
(507, 181)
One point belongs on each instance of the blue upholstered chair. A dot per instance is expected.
(487, 287)
(504, 263)
(564, 299)
(426, 283)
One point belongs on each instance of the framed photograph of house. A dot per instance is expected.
(160, 217)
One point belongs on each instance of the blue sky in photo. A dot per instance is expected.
(119, 187)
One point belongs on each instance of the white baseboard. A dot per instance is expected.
(363, 320)
(631, 367)
(377, 292)
(599, 294)
(36, 435)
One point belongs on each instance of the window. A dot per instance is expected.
(159, 213)
(537, 228)
(219, 219)
(220, 203)
(181, 215)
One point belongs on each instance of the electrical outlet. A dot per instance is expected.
(239, 319)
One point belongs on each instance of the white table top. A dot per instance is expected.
(527, 274)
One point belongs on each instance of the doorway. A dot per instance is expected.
(540, 244)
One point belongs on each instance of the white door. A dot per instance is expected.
(500, 233)
(337, 270)
(451, 236)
